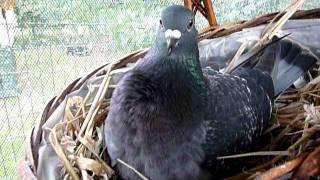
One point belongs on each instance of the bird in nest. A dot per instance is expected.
(170, 118)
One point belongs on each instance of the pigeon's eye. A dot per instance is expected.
(161, 24)
(190, 24)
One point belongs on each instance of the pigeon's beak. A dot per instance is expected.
(172, 37)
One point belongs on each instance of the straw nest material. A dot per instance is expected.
(294, 141)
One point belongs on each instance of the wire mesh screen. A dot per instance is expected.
(44, 45)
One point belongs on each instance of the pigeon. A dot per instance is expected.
(169, 118)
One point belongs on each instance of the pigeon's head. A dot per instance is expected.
(177, 33)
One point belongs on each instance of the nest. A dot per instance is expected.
(77, 139)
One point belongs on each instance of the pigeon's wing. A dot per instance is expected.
(122, 136)
(239, 109)
(114, 128)
(240, 104)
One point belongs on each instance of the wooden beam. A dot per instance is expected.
(188, 4)
(7, 4)
(198, 6)
(210, 13)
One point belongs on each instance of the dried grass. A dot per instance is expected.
(269, 32)
(77, 140)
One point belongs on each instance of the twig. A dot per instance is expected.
(58, 149)
(294, 133)
(109, 171)
(271, 31)
(310, 166)
(268, 34)
(261, 153)
(281, 170)
(255, 169)
(241, 49)
(96, 100)
(300, 141)
(133, 169)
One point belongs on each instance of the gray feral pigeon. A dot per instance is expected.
(171, 119)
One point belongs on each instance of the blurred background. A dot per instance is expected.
(45, 45)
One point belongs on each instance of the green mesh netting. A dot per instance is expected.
(57, 41)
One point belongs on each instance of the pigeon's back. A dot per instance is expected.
(239, 109)
(240, 104)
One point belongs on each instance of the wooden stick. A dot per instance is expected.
(108, 169)
(188, 4)
(210, 13)
(310, 166)
(276, 26)
(96, 100)
(133, 169)
(265, 38)
(281, 170)
(261, 153)
(241, 49)
(59, 150)
(198, 6)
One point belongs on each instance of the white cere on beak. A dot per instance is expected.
(172, 37)
(176, 34)
(172, 34)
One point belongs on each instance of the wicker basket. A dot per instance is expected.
(27, 167)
